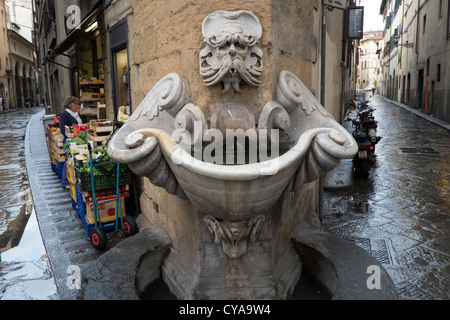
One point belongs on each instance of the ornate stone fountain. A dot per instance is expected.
(241, 174)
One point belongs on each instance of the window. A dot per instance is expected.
(441, 9)
(438, 76)
(428, 66)
(424, 22)
(448, 20)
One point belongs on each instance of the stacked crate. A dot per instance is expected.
(106, 203)
(56, 150)
(99, 131)
(105, 193)
(72, 179)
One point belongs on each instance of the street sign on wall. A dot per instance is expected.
(339, 4)
(353, 27)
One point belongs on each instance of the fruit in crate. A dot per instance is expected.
(54, 123)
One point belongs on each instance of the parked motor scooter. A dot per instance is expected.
(369, 126)
(361, 163)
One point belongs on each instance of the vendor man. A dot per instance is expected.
(70, 115)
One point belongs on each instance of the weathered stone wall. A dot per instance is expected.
(168, 38)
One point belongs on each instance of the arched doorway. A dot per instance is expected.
(2, 97)
(18, 85)
(408, 88)
(24, 85)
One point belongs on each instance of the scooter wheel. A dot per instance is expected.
(363, 169)
(129, 226)
(372, 158)
(98, 238)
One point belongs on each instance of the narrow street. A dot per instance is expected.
(401, 213)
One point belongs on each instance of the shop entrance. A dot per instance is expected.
(90, 73)
(120, 75)
(121, 79)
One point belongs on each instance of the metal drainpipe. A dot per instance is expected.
(322, 64)
(322, 95)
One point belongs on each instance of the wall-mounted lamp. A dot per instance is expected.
(406, 45)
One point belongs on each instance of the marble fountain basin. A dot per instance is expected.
(147, 143)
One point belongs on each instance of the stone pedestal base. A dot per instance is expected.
(217, 277)
(215, 259)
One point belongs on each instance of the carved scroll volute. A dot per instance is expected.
(289, 92)
(292, 93)
(171, 93)
(274, 116)
(142, 153)
(192, 119)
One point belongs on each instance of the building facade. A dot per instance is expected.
(17, 55)
(369, 66)
(20, 17)
(23, 71)
(5, 66)
(416, 54)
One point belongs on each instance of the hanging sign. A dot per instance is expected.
(338, 4)
(354, 17)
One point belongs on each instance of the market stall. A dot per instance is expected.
(99, 186)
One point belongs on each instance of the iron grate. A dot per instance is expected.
(377, 248)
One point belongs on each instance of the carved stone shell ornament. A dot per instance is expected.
(231, 53)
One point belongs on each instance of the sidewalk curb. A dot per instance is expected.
(340, 178)
(428, 117)
(65, 242)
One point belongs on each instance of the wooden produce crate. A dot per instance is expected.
(71, 174)
(58, 148)
(60, 157)
(101, 126)
(54, 135)
(52, 159)
(73, 193)
(99, 131)
(106, 208)
(101, 111)
(69, 132)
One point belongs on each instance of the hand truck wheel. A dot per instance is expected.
(129, 226)
(98, 238)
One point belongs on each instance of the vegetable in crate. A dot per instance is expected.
(81, 138)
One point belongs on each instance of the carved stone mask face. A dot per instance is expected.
(231, 53)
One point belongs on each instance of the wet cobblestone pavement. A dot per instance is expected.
(25, 272)
(401, 213)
